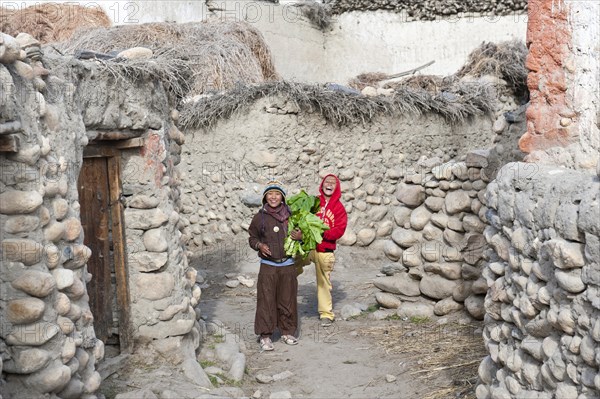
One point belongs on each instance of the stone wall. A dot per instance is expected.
(225, 168)
(437, 244)
(52, 107)
(431, 10)
(161, 281)
(542, 309)
(47, 339)
(542, 317)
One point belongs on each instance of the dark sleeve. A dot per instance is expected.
(338, 230)
(254, 232)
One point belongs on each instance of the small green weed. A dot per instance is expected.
(219, 338)
(373, 308)
(419, 319)
(206, 363)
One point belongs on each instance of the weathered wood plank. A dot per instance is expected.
(10, 143)
(94, 197)
(120, 256)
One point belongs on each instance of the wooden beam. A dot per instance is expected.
(93, 151)
(131, 143)
(10, 143)
(120, 255)
(103, 135)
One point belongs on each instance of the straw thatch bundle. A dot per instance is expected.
(174, 74)
(50, 22)
(367, 79)
(430, 83)
(505, 60)
(341, 108)
(218, 54)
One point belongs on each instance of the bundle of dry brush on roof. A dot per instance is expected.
(504, 61)
(340, 107)
(319, 14)
(191, 58)
(51, 22)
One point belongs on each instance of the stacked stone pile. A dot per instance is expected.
(437, 237)
(431, 10)
(543, 273)
(47, 340)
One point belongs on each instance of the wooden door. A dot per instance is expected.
(101, 212)
(94, 198)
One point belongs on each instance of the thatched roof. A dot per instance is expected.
(50, 22)
(454, 97)
(342, 108)
(504, 61)
(217, 55)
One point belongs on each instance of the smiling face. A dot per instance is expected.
(329, 185)
(274, 198)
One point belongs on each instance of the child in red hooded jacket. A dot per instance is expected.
(334, 215)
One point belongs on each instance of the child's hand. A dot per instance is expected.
(296, 234)
(264, 249)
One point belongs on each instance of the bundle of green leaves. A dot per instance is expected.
(304, 208)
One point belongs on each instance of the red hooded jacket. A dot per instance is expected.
(333, 215)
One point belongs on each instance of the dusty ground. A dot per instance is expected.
(357, 358)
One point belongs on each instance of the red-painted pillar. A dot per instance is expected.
(550, 114)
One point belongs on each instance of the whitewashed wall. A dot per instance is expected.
(358, 41)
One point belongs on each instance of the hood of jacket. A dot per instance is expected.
(337, 193)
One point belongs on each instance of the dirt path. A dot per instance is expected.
(357, 358)
(337, 362)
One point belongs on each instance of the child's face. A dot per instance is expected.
(274, 198)
(329, 185)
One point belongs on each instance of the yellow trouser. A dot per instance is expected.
(324, 262)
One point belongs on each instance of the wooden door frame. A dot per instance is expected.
(113, 158)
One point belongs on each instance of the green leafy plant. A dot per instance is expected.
(304, 208)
